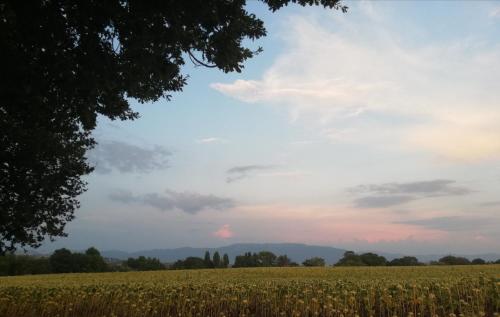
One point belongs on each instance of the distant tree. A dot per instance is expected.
(225, 260)
(208, 262)
(405, 261)
(478, 261)
(497, 261)
(316, 261)
(453, 260)
(145, 264)
(372, 259)
(61, 261)
(216, 260)
(11, 264)
(266, 259)
(283, 260)
(350, 259)
(95, 262)
(65, 63)
(189, 263)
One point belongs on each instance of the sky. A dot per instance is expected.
(371, 130)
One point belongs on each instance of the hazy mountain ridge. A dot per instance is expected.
(296, 251)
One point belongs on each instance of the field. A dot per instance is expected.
(405, 291)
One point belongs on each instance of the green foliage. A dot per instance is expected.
(478, 261)
(208, 262)
(453, 260)
(144, 264)
(216, 259)
(64, 261)
(64, 63)
(23, 265)
(316, 261)
(283, 261)
(190, 263)
(405, 261)
(366, 259)
(225, 261)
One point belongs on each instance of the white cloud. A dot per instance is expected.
(211, 140)
(338, 71)
(495, 12)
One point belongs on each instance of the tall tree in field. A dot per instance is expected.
(208, 262)
(225, 260)
(65, 62)
(216, 259)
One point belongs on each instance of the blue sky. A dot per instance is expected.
(371, 130)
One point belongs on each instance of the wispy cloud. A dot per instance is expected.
(495, 12)
(382, 201)
(334, 68)
(188, 202)
(391, 194)
(495, 203)
(240, 172)
(123, 157)
(211, 140)
(452, 223)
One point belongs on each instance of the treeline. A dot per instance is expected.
(65, 261)
(371, 259)
(207, 262)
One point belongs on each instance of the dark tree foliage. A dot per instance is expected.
(350, 259)
(23, 265)
(64, 62)
(316, 261)
(208, 262)
(453, 260)
(65, 261)
(189, 263)
(216, 259)
(405, 261)
(225, 261)
(478, 261)
(144, 264)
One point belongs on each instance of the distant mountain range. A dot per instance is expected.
(295, 251)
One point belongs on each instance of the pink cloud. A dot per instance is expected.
(224, 232)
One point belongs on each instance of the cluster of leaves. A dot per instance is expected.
(205, 263)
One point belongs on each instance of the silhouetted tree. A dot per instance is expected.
(216, 259)
(189, 263)
(64, 63)
(283, 260)
(316, 261)
(350, 259)
(405, 261)
(453, 260)
(266, 259)
(478, 261)
(208, 261)
(497, 261)
(225, 260)
(61, 261)
(372, 259)
(145, 264)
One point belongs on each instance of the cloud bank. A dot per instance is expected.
(188, 202)
(391, 194)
